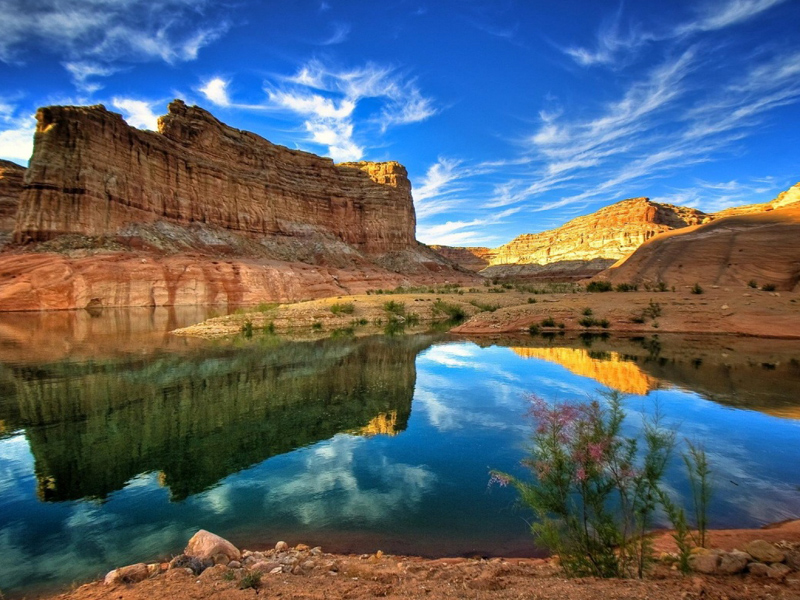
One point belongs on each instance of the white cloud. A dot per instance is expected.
(102, 33)
(216, 91)
(16, 133)
(137, 113)
(460, 233)
(327, 100)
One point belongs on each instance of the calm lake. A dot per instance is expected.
(119, 441)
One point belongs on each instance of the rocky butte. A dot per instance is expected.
(200, 213)
(582, 247)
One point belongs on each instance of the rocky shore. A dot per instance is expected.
(743, 564)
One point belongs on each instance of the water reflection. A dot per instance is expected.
(118, 441)
(93, 425)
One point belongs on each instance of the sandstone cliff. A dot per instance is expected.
(474, 258)
(11, 175)
(759, 246)
(92, 174)
(610, 233)
(580, 248)
(201, 213)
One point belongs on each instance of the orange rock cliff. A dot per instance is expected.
(198, 213)
(92, 174)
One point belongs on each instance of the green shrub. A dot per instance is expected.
(604, 323)
(270, 327)
(769, 287)
(247, 328)
(531, 300)
(484, 307)
(250, 580)
(533, 329)
(626, 287)
(599, 286)
(548, 322)
(696, 289)
(587, 312)
(752, 283)
(587, 322)
(395, 308)
(346, 308)
(595, 492)
(453, 311)
(316, 326)
(653, 310)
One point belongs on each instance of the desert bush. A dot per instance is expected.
(596, 492)
(250, 580)
(587, 311)
(453, 311)
(395, 308)
(599, 286)
(533, 329)
(484, 307)
(548, 322)
(696, 289)
(247, 328)
(752, 283)
(346, 308)
(626, 287)
(769, 287)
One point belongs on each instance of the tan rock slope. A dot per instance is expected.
(201, 213)
(762, 247)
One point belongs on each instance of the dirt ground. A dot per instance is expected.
(742, 311)
(337, 577)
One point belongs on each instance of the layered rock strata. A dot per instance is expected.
(11, 176)
(92, 174)
(610, 233)
(474, 258)
(200, 212)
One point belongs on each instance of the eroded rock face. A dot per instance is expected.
(761, 247)
(92, 174)
(610, 233)
(11, 176)
(474, 258)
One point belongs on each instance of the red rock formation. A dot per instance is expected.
(92, 174)
(201, 213)
(610, 233)
(473, 258)
(761, 247)
(11, 175)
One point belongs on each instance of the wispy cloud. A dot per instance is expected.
(341, 31)
(459, 233)
(615, 43)
(137, 113)
(92, 36)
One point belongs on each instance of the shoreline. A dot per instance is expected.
(211, 567)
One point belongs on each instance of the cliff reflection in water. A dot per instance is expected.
(753, 374)
(196, 418)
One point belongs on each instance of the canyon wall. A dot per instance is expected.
(11, 175)
(474, 258)
(610, 233)
(92, 174)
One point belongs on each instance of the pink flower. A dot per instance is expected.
(596, 452)
(580, 474)
(500, 479)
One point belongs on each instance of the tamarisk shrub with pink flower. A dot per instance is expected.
(595, 492)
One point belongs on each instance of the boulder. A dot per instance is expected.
(705, 562)
(764, 552)
(734, 562)
(129, 574)
(205, 545)
(192, 563)
(281, 547)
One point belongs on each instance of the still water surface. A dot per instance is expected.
(119, 441)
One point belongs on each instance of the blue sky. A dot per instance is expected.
(512, 116)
